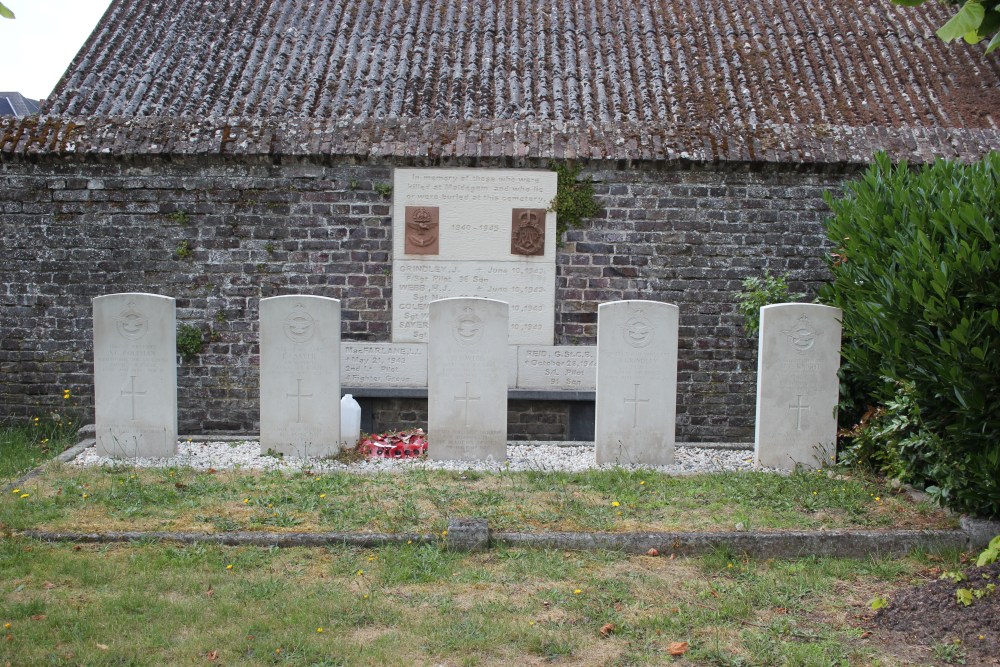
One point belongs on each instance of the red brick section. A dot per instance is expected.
(424, 142)
(674, 63)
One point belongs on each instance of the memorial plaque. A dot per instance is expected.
(797, 386)
(567, 367)
(476, 254)
(135, 375)
(634, 415)
(422, 230)
(527, 231)
(300, 376)
(467, 380)
(383, 365)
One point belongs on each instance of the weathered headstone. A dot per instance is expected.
(797, 385)
(636, 404)
(135, 375)
(474, 233)
(300, 376)
(467, 371)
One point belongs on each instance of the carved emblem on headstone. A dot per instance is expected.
(638, 330)
(299, 325)
(468, 327)
(527, 231)
(131, 323)
(802, 336)
(421, 230)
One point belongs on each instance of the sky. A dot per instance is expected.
(38, 45)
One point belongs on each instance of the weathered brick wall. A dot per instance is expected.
(75, 229)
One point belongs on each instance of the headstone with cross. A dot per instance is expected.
(300, 376)
(797, 386)
(467, 380)
(636, 382)
(135, 375)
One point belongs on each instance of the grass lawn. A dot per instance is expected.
(153, 603)
(157, 603)
(66, 497)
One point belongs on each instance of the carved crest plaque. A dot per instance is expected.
(422, 230)
(527, 231)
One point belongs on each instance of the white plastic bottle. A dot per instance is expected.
(350, 422)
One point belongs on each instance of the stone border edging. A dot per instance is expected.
(474, 535)
(235, 538)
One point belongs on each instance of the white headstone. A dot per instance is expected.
(476, 233)
(300, 376)
(636, 382)
(135, 375)
(467, 380)
(797, 385)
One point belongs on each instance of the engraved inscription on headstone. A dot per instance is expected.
(797, 385)
(572, 367)
(636, 382)
(422, 227)
(135, 375)
(527, 231)
(491, 243)
(383, 365)
(300, 376)
(467, 380)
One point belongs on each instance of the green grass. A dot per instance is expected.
(158, 603)
(24, 446)
(65, 497)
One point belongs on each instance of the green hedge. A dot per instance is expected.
(917, 273)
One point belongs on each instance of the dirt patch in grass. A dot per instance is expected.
(929, 620)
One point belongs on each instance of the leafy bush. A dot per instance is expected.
(760, 292)
(917, 274)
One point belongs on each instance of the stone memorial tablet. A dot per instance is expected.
(467, 380)
(494, 239)
(566, 367)
(634, 415)
(135, 375)
(797, 386)
(383, 365)
(300, 376)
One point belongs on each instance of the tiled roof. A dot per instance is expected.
(653, 63)
(422, 142)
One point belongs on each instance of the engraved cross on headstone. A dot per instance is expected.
(467, 398)
(635, 401)
(798, 407)
(132, 393)
(298, 396)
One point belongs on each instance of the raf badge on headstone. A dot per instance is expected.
(527, 231)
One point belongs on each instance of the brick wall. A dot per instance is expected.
(219, 234)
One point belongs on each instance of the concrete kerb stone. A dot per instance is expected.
(835, 543)
(980, 531)
(255, 539)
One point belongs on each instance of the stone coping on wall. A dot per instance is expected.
(494, 143)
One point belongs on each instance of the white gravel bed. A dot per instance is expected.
(542, 456)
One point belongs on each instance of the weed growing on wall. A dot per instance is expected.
(759, 292)
(189, 341)
(574, 199)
